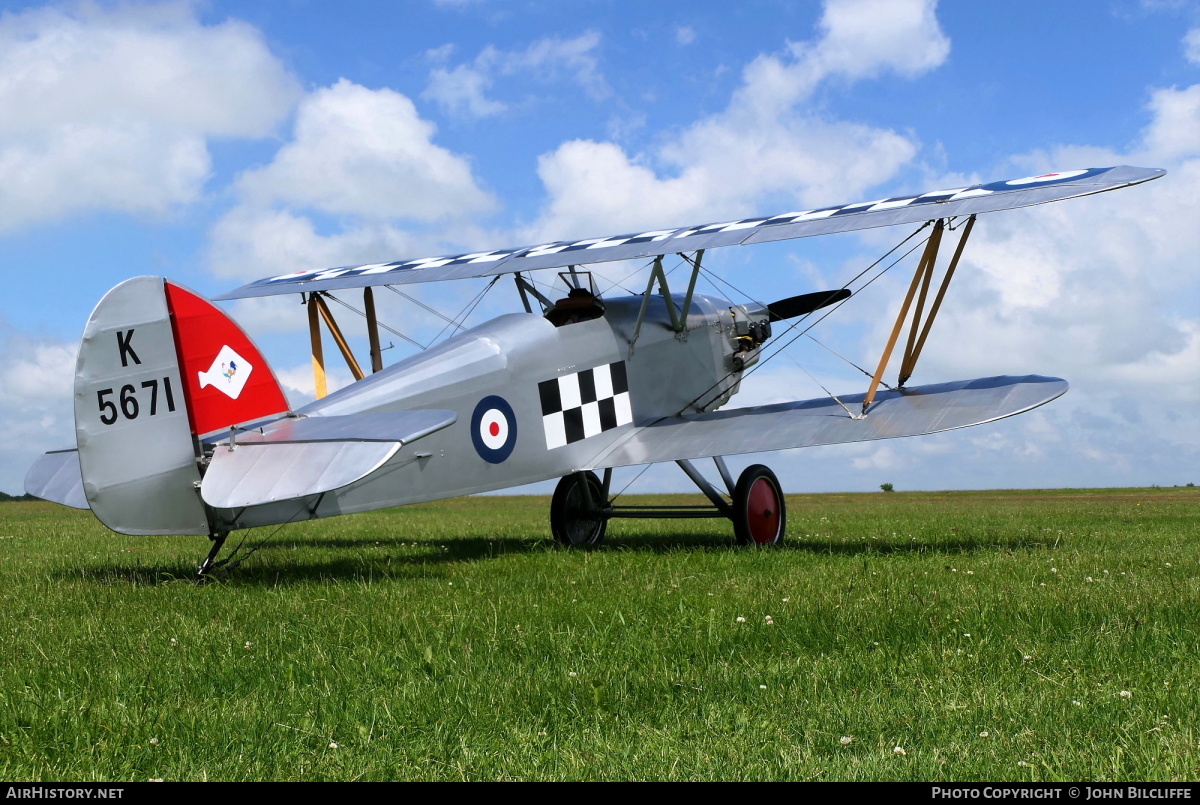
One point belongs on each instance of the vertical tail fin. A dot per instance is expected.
(159, 368)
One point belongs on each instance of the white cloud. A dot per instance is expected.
(36, 373)
(36, 414)
(111, 108)
(1191, 46)
(859, 39)
(1103, 291)
(763, 145)
(251, 242)
(685, 35)
(363, 155)
(462, 90)
(367, 153)
(1175, 131)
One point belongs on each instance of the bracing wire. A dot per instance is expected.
(468, 310)
(804, 318)
(396, 333)
(421, 304)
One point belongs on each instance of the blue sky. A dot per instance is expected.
(216, 143)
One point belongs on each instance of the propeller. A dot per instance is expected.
(795, 306)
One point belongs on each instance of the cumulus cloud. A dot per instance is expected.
(764, 145)
(462, 89)
(1191, 46)
(89, 127)
(36, 383)
(1102, 290)
(363, 152)
(368, 158)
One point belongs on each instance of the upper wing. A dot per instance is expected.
(914, 412)
(1003, 195)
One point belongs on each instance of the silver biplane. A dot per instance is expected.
(182, 428)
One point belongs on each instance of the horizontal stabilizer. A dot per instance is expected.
(56, 477)
(299, 457)
(914, 412)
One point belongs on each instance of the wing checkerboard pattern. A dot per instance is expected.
(959, 201)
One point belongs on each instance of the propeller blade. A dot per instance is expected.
(795, 306)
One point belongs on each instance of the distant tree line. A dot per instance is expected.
(5, 497)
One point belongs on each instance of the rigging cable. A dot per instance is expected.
(805, 317)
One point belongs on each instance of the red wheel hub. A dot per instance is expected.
(762, 513)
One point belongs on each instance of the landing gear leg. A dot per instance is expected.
(218, 541)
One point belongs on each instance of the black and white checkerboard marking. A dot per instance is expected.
(585, 404)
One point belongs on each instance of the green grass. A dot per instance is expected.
(990, 635)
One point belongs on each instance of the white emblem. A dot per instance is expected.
(228, 373)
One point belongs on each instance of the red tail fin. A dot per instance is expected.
(226, 379)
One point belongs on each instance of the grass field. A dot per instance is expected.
(907, 636)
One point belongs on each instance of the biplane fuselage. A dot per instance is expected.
(511, 357)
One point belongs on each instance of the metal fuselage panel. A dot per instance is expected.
(509, 358)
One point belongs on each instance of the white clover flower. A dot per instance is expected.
(572, 673)
(1125, 694)
(762, 687)
(846, 740)
(248, 644)
(1077, 703)
(154, 742)
(899, 750)
(740, 619)
(174, 642)
(333, 745)
(1022, 763)
(983, 734)
(1027, 658)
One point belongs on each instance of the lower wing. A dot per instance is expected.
(912, 412)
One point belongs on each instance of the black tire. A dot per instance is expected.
(759, 508)
(572, 521)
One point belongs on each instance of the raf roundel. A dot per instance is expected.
(494, 429)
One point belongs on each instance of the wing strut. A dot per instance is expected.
(912, 353)
(922, 277)
(318, 311)
(372, 329)
(678, 317)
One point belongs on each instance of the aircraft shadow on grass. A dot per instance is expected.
(389, 565)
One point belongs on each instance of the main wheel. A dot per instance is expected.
(759, 510)
(572, 520)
